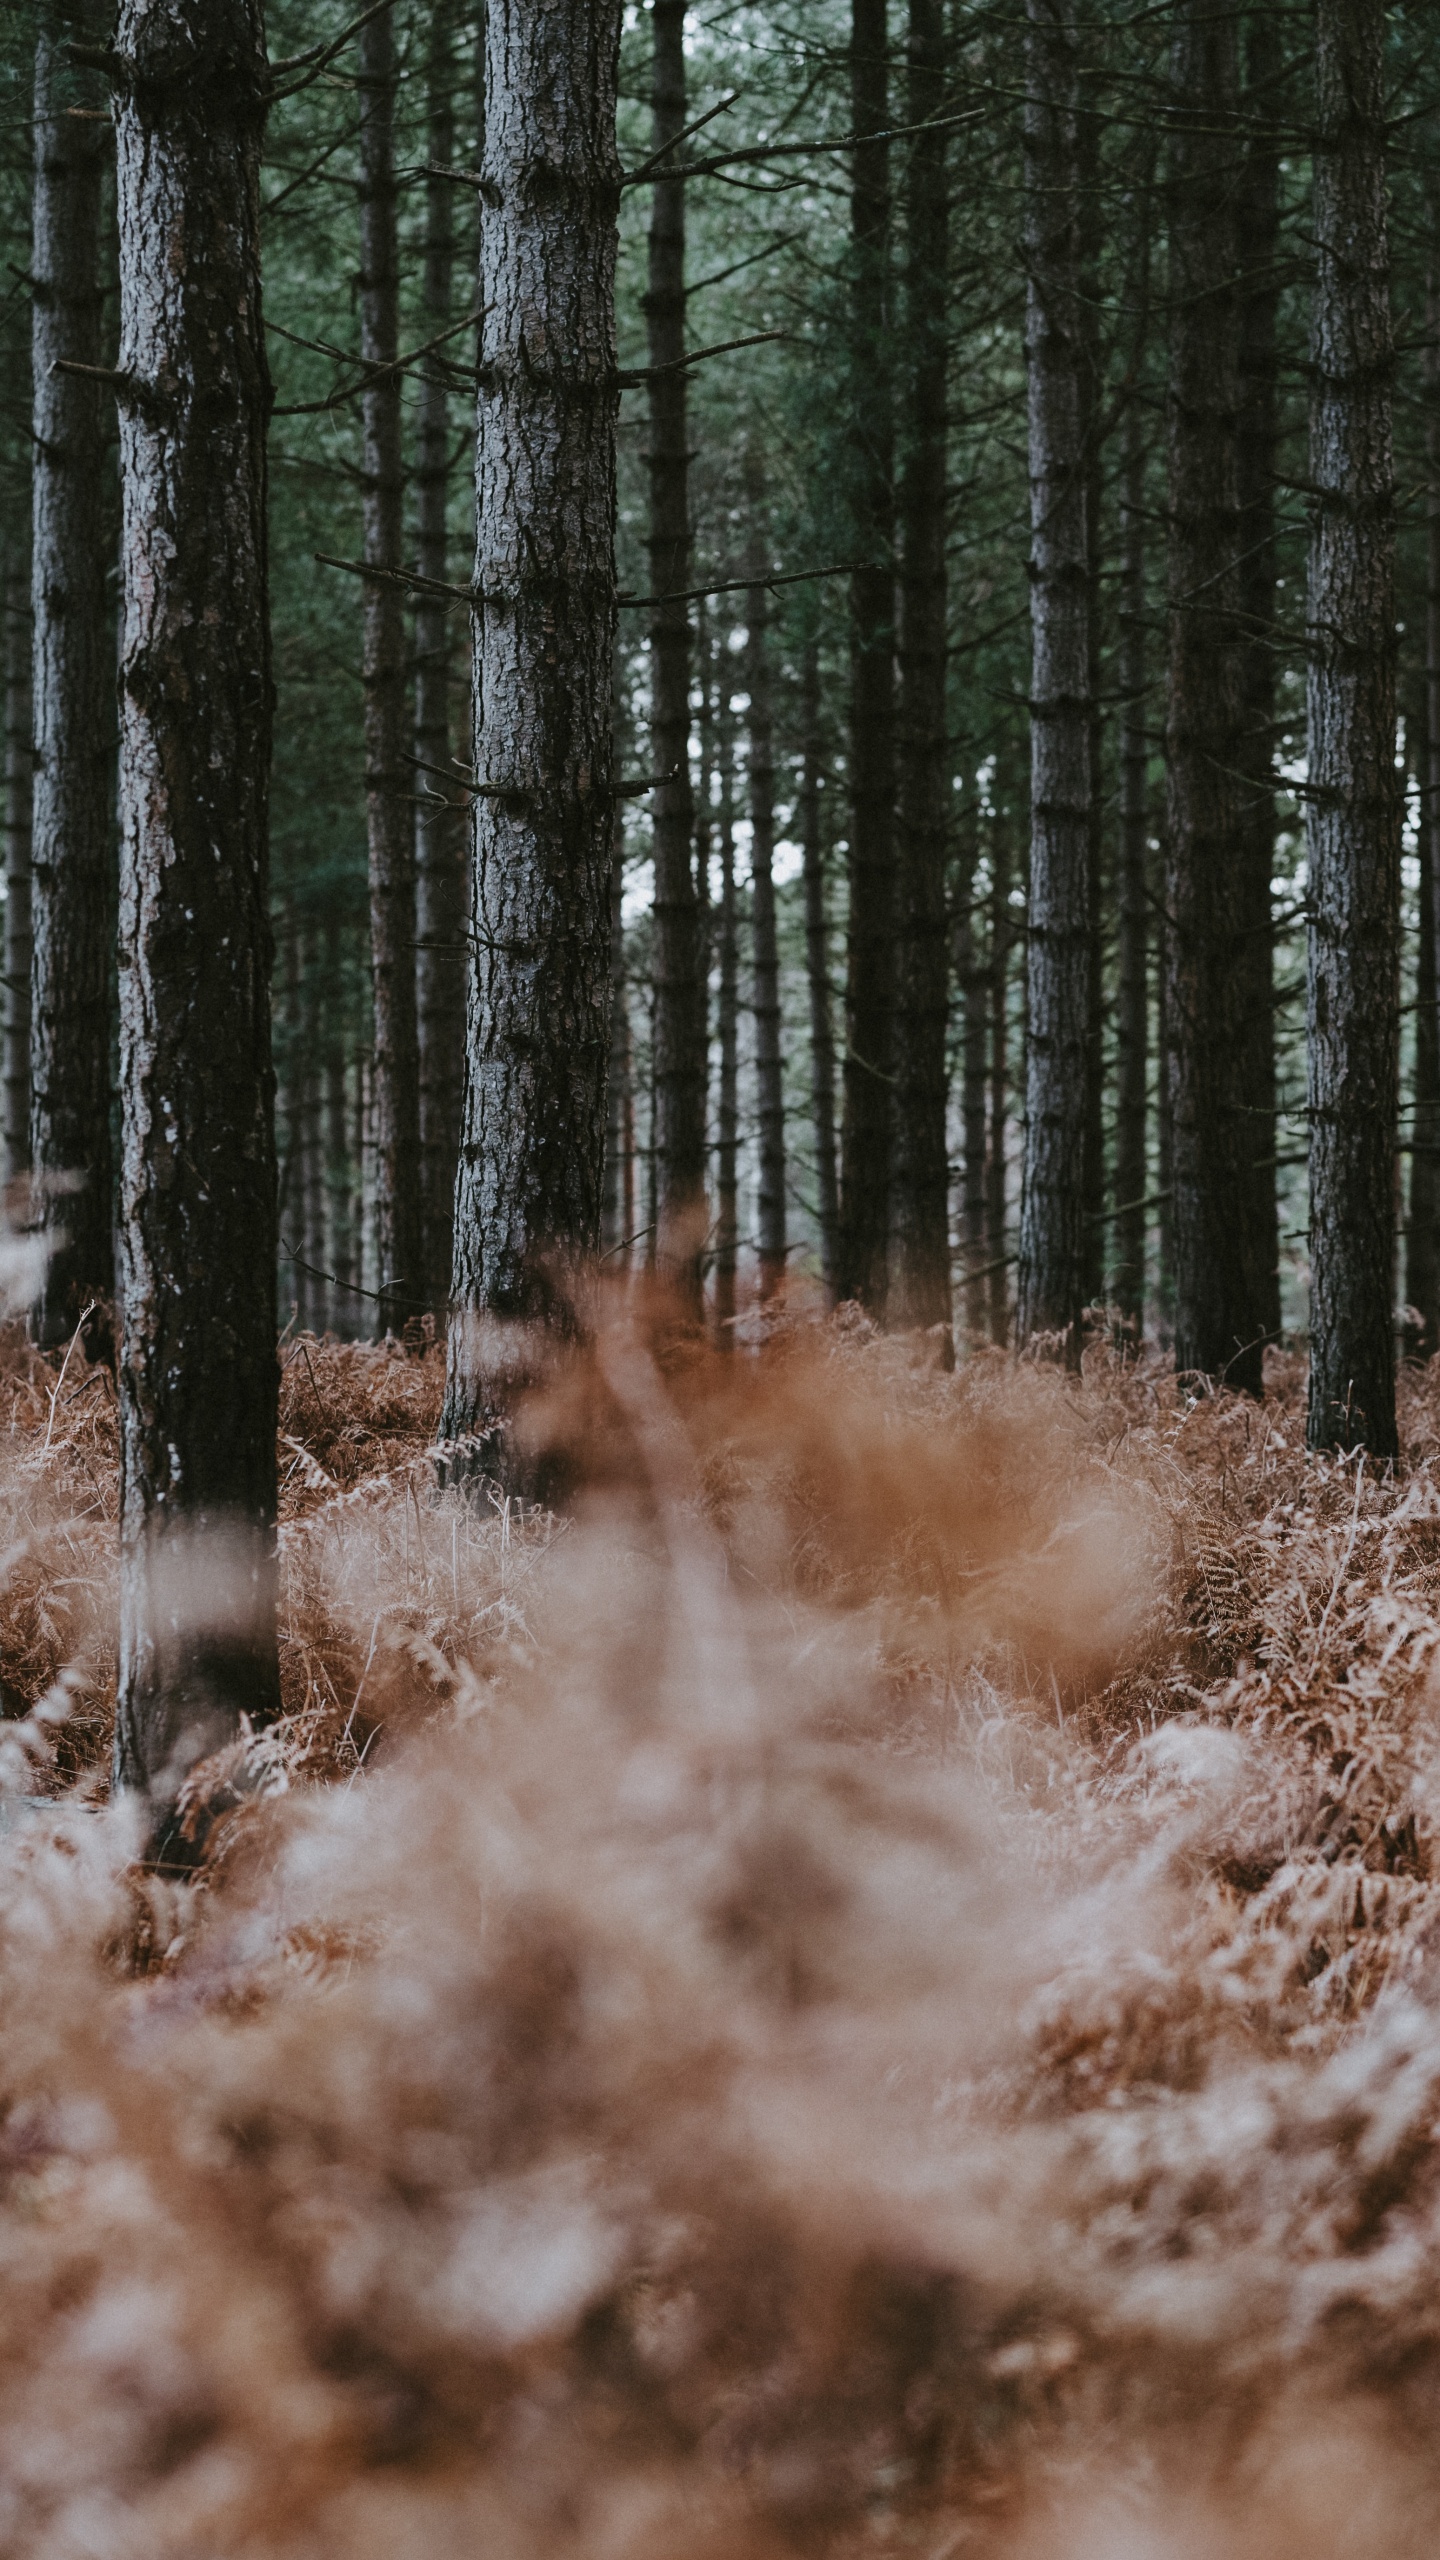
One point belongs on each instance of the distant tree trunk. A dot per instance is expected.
(528, 1197)
(19, 769)
(73, 842)
(817, 962)
(339, 1226)
(1090, 222)
(1259, 247)
(996, 1204)
(679, 980)
(1422, 1267)
(727, 1118)
(769, 1067)
(389, 788)
(440, 811)
(316, 1296)
(197, 1200)
(867, 1118)
(1220, 1320)
(1133, 1022)
(1052, 1231)
(1353, 808)
(974, 987)
(616, 1230)
(922, 1203)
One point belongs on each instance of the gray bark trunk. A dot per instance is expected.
(922, 1203)
(197, 1185)
(974, 987)
(679, 982)
(727, 1117)
(440, 813)
(1133, 1019)
(19, 769)
(867, 1117)
(769, 1069)
(1052, 1234)
(996, 1203)
(1422, 1259)
(817, 965)
(389, 787)
(1353, 806)
(528, 1195)
(73, 844)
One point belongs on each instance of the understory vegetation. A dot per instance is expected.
(871, 1985)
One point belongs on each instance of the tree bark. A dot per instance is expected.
(996, 1202)
(974, 987)
(440, 809)
(922, 1203)
(679, 979)
(727, 1117)
(19, 769)
(73, 850)
(389, 783)
(1220, 1307)
(769, 1069)
(817, 963)
(618, 1198)
(867, 1117)
(528, 1195)
(1257, 464)
(198, 1369)
(339, 1215)
(1422, 1261)
(1052, 1233)
(1353, 808)
(1133, 1021)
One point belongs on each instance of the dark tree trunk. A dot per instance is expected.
(440, 811)
(19, 768)
(996, 1204)
(1259, 247)
(389, 784)
(339, 1217)
(528, 1198)
(922, 1204)
(817, 963)
(1133, 1021)
(618, 1196)
(197, 1189)
(73, 843)
(315, 1299)
(1052, 1231)
(1090, 220)
(974, 986)
(727, 1117)
(679, 979)
(1220, 1310)
(1422, 1261)
(1353, 808)
(867, 1118)
(769, 1069)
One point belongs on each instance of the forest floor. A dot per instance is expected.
(875, 1985)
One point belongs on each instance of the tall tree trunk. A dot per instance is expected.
(996, 1203)
(315, 1300)
(923, 1185)
(679, 979)
(339, 1227)
(1133, 1022)
(1422, 1274)
(532, 1151)
(727, 1117)
(769, 1068)
(817, 962)
(1090, 223)
(19, 769)
(974, 987)
(197, 1189)
(1220, 1323)
(867, 1118)
(616, 1228)
(440, 815)
(1052, 1232)
(1257, 448)
(1353, 808)
(73, 856)
(388, 780)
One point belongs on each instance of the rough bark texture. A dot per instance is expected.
(974, 987)
(679, 980)
(922, 1190)
(1422, 1258)
(996, 1204)
(389, 780)
(1052, 1235)
(817, 964)
(1259, 246)
(727, 1116)
(1090, 219)
(769, 1069)
(73, 861)
(1133, 1015)
(527, 1204)
(1353, 808)
(198, 1370)
(339, 1219)
(440, 814)
(1220, 1306)
(867, 1115)
(19, 767)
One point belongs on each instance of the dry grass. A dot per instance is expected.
(875, 1984)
